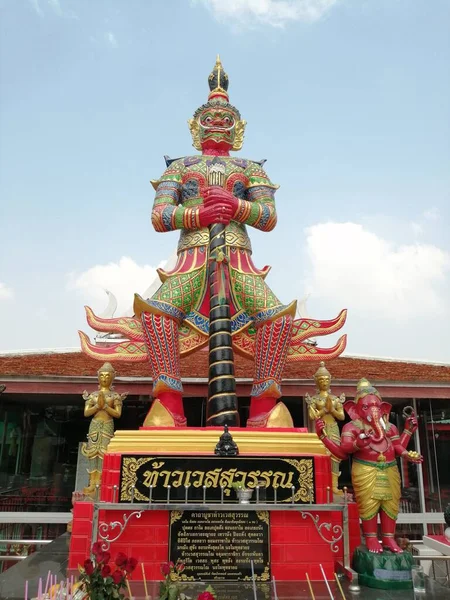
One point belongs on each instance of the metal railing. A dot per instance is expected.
(433, 558)
(15, 557)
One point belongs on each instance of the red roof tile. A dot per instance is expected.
(77, 364)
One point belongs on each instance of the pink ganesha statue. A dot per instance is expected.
(374, 443)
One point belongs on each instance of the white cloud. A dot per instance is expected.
(55, 6)
(417, 228)
(269, 12)
(432, 214)
(36, 7)
(373, 276)
(123, 279)
(6, 293)
(111, 39)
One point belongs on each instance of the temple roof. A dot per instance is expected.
(72, 363)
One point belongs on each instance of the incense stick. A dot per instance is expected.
(255, 595)
(47, 582)
(129, 589)
(339, 586)
(326, 582)
(144, 577)
(310, 587)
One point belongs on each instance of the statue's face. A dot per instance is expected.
(217, 126)
(105, 378)
(323, 382)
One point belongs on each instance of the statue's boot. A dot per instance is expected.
(335, 477)
(95, 478)
(388, 532)
(271, 347)
(161, 338)
(370, 531)
(166, 411)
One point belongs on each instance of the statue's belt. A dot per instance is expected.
(378, 465)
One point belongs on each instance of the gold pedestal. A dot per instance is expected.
(203, 441)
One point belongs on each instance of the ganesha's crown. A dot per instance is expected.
(365, 388)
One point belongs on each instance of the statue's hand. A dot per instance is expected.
(320, 427)
(215, 214)
(101, 400)
(413, 457)
(362, 442)
(217, 196)
(411, 423)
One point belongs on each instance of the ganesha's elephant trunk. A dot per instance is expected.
(375, 420)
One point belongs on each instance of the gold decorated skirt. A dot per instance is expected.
(376, 486)
(99, 436)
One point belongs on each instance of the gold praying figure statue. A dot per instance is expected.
(104, 405)
(323, 405)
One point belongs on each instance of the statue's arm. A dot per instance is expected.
(400, 443)
(90, 407)
(168, 213)
(258, 209)
(115, 411)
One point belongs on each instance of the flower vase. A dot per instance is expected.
(244, 495)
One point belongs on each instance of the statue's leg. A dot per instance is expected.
(388, 531)
(161, 317)
(335, 472)
(369, 527)
(161, 336)
(272, 344)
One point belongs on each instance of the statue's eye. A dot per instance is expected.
(208, 120)
(227, 120)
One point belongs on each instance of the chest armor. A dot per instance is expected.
(194, 181)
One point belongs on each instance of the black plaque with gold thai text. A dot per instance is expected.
(215, 545)
(211, 478)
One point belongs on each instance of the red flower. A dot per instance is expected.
(180, 567)
(97, 548)
(121, 559)
(117, 576)
(103, 557)
(131, 564)
(88, 566)
(106, 570)
(171, 565)
(165, 569)
(205, 596)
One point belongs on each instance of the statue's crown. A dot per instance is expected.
(218, 82)
(365, 388)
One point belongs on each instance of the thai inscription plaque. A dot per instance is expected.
(210, 478)
(220, 545)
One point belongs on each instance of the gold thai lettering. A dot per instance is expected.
(227, 478)
(177, 478)
(283, 480)
(201, 477)
(167, 474)
(252, 478)
(212, 478)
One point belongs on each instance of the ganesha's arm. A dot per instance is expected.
(341, 450)
(398, 442)
(167, 213)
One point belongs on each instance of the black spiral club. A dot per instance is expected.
(222, 405)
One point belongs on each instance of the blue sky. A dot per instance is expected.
(347, 99)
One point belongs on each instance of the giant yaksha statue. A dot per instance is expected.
(374, 443)
(211, 197)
